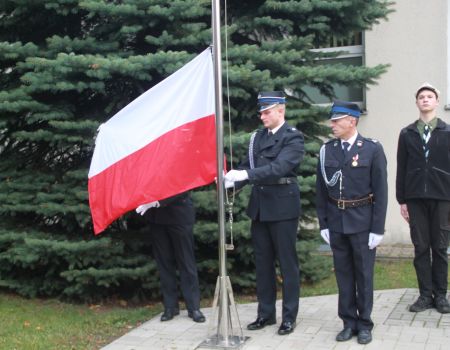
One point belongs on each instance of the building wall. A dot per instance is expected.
(414, 41)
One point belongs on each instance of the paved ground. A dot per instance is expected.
(317, 325)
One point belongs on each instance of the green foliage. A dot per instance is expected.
(61, 78)
(51, 324)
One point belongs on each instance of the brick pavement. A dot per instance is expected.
(317, 325)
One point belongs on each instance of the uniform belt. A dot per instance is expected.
(352, 203)
(280, 181)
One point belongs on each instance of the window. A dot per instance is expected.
(352, 49)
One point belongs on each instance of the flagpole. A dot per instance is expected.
(217, 57)
(228, 333)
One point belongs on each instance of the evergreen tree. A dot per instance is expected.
(68, 65)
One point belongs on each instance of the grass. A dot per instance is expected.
(35, 324)
(389, 274)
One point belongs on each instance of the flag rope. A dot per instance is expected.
(229, 203)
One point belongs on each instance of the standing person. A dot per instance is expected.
(171, 231)
(351, 199)
(274, 208)
(423, 192)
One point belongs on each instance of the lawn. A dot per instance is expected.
(35, 324)
(389, 274)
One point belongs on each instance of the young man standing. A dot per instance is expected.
(274, 154)
(423, 192)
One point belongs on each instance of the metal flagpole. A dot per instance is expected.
(225, 331)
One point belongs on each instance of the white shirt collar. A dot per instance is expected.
(351, 140)
(274, 130)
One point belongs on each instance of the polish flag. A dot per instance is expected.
(161, 144)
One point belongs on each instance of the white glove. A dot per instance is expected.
(374, 240)
(144, 207)
(325, 233)
(228, 183)
(236, 175)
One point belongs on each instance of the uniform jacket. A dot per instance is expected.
(274, 157)
(363, 172)
(417, 177)
(176, 210)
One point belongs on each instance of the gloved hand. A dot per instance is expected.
(236, 175)
(228, 183)
(374, 240)
(325, 233)
(144, 207)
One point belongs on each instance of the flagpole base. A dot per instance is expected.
(216, 342)
(224, 331)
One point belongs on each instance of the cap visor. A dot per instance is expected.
(338, 116)
(265, 107)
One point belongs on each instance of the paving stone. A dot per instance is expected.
(317, 325)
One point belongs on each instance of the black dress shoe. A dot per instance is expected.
(260, 323)
(345, 334)
(168, 314)
(364, 336)
(197, 316)
(286, 328)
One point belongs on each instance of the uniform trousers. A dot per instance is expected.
(353, 265)
(429, 222)
(173, 247)
(276, 241)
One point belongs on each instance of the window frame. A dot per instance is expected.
(350, 52)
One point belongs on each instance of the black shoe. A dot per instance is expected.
(442, 305)
(345, 334)
(286, 328)
(364, 336)
(197, 316)
(422, 304)
(260, 323)
(168, 314)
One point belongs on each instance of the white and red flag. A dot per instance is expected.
(161, 144)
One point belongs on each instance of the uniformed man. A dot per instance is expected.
(172, 237)
(351, 202)
(274, 208)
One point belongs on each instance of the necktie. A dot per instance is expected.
(270, 134)
(425, 137)
(345, 146)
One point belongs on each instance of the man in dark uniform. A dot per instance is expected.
(423, 192)
(351, 202)
(274, 207)
(171, 231)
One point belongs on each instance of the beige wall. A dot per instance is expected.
(414, 42)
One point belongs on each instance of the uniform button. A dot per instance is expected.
(262, 187)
